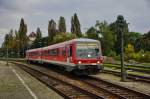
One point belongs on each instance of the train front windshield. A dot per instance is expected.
(87, 50)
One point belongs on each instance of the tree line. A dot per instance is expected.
(136, 45)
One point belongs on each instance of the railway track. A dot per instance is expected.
(82, 88)
(124, 93)
(65, 89)
(130, 76)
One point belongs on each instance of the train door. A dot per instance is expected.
(69, 55)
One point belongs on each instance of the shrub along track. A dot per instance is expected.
(82, 88)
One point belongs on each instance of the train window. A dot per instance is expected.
(53, 52)
(87, 50)
(36, 53)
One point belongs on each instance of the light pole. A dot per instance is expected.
(7, 57)
(120, 27)
(18, 48)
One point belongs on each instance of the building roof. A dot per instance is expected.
(32, 34)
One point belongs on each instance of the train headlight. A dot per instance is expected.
(98, 62)
(79, 62)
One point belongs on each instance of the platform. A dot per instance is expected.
(17, 84)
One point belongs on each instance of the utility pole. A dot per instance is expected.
(123, 68)
(18, 49)
(7, 57)
(120, 26)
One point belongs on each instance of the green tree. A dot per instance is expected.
(9, 40)
(62, 25)
(75, 25)
(22, 36)
(16, 40)
(51, 29)
(146, 41)
(121, 26)
(129, 51)
(133, 36)
(38, 33)
(143, 42)
(12, 40)
(92, 33)
(107, 38)
(72, 25)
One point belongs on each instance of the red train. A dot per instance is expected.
(82, 56)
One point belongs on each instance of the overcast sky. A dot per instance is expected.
(37, 13)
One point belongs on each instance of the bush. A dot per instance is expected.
(112, 54)
(136, 56)
(145, 57)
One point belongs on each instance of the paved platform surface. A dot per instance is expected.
(17, 84)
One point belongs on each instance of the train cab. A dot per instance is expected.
(88, 57)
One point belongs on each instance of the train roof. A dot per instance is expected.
(66, 42)
(71, 41)
(84, 40)
(32, 50)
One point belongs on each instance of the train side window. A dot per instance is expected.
(53, 52)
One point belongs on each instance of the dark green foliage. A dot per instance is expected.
(22, 36)
(8, 41)
(11, 44)
(75, 25)
(92, 33)
(41, 42)
(72, 25)
(38, 33)
(121, 27)
(146, 41)
(117, 34)
(133, 36)
(62, 25)
(52, 29)
(22, 29)
(60, 37)
(107, 38)
(146, 57)
(143, 42)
